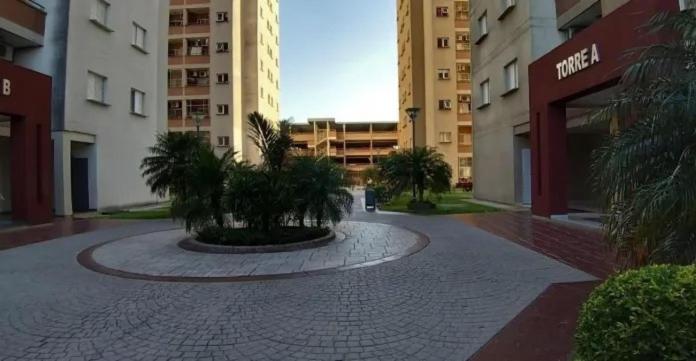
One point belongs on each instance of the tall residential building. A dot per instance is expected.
(507, 36)
(435, 76)
(107, 66)
(355, 145)
(223, 65)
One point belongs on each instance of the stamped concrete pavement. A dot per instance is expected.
(442, 303)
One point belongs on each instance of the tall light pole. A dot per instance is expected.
(412, 115)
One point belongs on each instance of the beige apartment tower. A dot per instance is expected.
(435, 76)
(223, 65)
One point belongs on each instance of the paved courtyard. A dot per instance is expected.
(441, 303)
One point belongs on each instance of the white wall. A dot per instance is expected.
(121, 138)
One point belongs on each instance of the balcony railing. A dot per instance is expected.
(28, 15)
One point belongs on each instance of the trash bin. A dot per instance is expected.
(370, 200)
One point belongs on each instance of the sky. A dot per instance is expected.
(338, 59)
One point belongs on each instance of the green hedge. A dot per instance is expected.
(643, 315)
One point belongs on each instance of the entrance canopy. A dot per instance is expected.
(579, 71)
(25, 97)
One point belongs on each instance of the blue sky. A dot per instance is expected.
(338, 59)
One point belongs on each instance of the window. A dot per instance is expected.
(223, 47)
(222, 17)
(465, 165)
(100, 13)
(224, 142)
(223, 78)
(139, 37)
(443, 42)
(511, 76)
(445, 104)
(462, 10)
(443, 74)
(96, 87)
(485, 93)
(507, 6)
(463, 72)
(464, 104)
(482, 27)
(137, 102)
(445, 137)
(442, 11)
(687, 4)
(223, 109)
(463, 40)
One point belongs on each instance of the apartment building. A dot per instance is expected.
(435, 76)
(355, 145)
(508, 35)
(223, 65)
(569, 83)
(107, 66)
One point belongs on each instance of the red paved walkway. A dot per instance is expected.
(580, 247)
(544, 330)
(61, 227)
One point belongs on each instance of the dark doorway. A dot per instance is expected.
(80, 184)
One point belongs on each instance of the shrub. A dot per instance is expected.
(643, 315)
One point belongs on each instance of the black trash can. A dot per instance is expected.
(370, 200)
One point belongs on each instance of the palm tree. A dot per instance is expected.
(171, 159)
(646, 172)
(319, 190)
(423, 166)
(273, 141)
(204, 203)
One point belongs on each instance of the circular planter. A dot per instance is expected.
(193, 245)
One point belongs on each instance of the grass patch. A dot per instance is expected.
(247, 237)
(158, 213)
(456, 202)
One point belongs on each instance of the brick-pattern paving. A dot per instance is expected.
(577, 246)
(442, 303)
(60, 227)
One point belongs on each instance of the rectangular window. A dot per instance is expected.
(506, 5)
(463, 72)
(223, 78)
(222, 17)
(482, 24)
(443, 42)
(445, 137)
(511, 74)
(464, 104)
(223, 47)
(224, 142)
(465, 165)
(96, 87)
(442, 11)
(463, 40)
(137, 102)
(443, 74)
(223, 109)
(139, 36)
(485, 93)
(445, 104)
(462, 10)
(100, 12)
(687, 4)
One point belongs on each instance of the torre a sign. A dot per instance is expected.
(577, 62)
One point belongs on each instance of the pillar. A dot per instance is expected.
(549, 161)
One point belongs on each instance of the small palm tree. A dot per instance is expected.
(318, 190)
(204, 203)
(273, 141)
(646, 172)
(423, 166)
(170, 162)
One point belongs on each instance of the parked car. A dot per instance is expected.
(466, 184)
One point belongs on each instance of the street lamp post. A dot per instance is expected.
(412, 115)
(198, 119)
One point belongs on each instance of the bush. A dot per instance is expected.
(249, 237)
(643, 315)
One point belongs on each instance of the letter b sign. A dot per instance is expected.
(6, 87)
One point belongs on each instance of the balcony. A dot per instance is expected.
(188, 2)
(28, 23)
